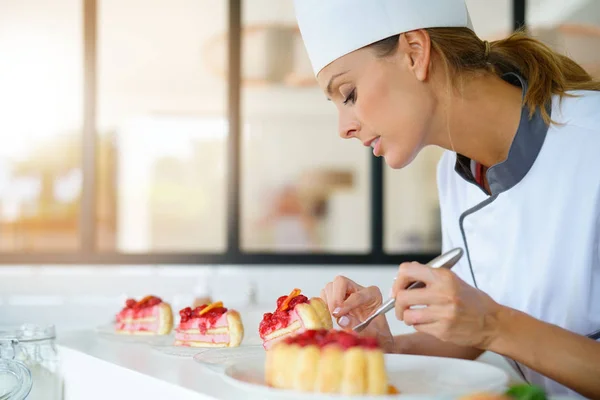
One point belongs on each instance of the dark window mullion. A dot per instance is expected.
(234, 80)
(519, 14)
(87, 210)
(377, 204)
(194, 259)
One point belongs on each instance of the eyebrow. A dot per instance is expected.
(329, 91)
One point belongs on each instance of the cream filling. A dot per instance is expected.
(267, 344)
(212, 331)
(151, 326)
(194, 323)
(134, 320)
(218, 338)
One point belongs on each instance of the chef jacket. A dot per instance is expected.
(533, 242)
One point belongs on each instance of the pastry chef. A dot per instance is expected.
(519, 182)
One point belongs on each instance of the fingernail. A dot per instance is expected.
(336, 311)
(391, 293)
(344, 321)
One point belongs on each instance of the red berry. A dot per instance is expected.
(347, 340)
(130, 303)
(280, 301)
(154, 301)
(297, 300)
(184, 312)
(311, 333)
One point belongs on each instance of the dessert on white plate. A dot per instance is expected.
(328, 361)
(209, 325)
(149, 316)
(421, 376)
(294, 314)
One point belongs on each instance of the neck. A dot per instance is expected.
(483, 119)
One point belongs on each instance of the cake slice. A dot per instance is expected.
(328, 361)
(149, 316)
(209, 325)
(294, 314)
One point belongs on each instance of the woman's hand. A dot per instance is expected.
(351, 303)
(456, 312)
(461, 315)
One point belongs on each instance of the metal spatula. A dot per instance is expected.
(446, 260)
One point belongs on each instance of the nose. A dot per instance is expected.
(348, 126)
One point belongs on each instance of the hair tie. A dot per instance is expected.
(488, 48)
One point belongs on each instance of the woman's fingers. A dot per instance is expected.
(341, 289)
(409, 273)
(356, 300)
(336, 291)
(422, 315)
(348, 321)
(327, 296)
(417, 297)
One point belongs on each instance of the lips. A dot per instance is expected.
(371, 142)
(374, 142)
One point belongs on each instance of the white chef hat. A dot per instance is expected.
(333, 28)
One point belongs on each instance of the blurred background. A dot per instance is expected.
(126, 138)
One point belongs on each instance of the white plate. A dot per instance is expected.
(413, 376)
(166, 346)
(179, 351)
(108, 332)
(219, 359)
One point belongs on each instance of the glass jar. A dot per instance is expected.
(30, 362)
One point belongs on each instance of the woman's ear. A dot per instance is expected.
(416, 47)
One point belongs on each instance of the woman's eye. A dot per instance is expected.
(351, 97)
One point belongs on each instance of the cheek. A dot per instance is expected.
(375, 108)
(395, 114)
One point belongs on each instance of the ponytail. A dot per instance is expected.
(547, 72)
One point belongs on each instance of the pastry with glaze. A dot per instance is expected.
(149, 316)
(294, 314)
(328, 361)
(209, 325)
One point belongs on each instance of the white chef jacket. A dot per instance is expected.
(534, 243)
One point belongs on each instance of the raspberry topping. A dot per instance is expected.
(280, 301)
(148, 301)
(279, 319)
(324, 337)
(211, 316)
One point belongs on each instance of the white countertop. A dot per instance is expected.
(95, 367)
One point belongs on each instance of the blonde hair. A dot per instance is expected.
(547, 72)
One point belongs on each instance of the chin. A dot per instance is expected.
(400, 160)
(397, 162)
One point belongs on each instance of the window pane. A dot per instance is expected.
(162, 126)
(412, 220)
(40, 124)
(572, 28)
(303, 188)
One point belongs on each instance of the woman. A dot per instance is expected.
(519, 184)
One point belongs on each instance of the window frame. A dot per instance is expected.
(233, 255)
